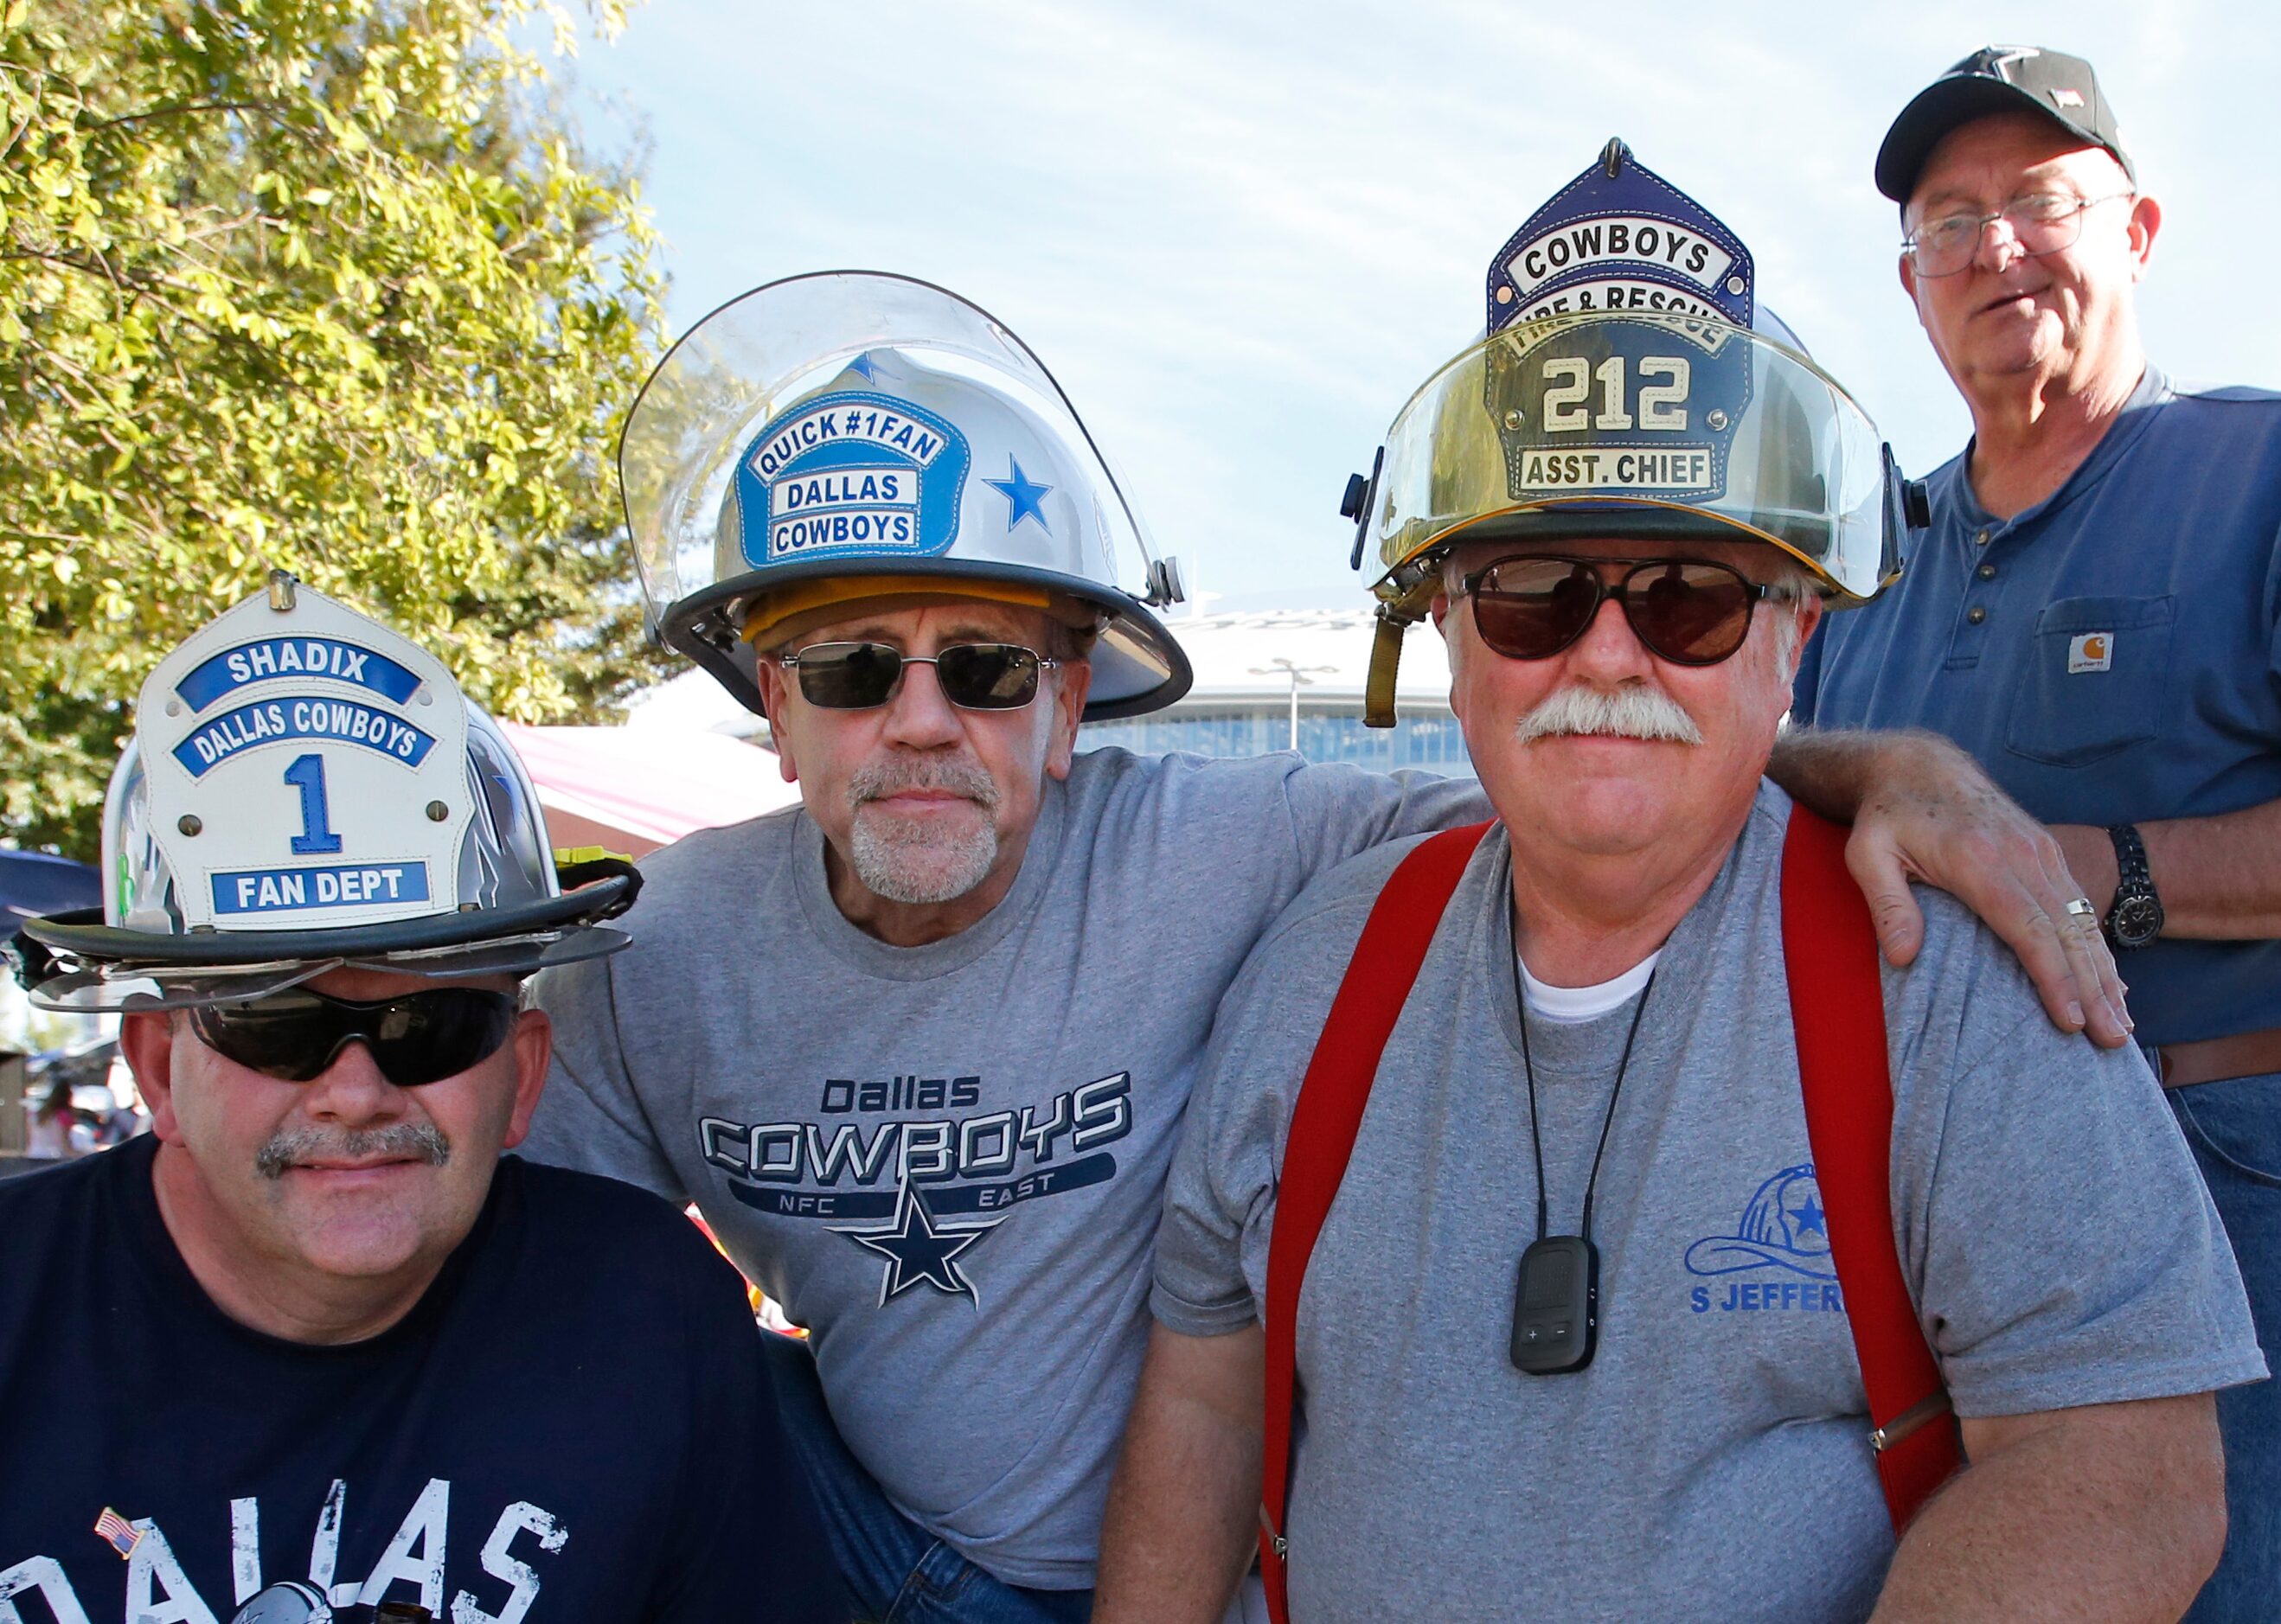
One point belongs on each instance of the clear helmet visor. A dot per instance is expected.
(856, 423)
(1644, 423)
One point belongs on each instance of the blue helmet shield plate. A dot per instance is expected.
(1620, 237)
(853, 474)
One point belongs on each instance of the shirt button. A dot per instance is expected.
(1976, 614)
(1987, 571)
(1980, 540)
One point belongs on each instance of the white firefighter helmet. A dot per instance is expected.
(855, 434)
(306, 789)
(1628, 386)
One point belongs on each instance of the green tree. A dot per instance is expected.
(327, 285)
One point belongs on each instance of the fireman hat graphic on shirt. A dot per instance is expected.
(1783, 1225)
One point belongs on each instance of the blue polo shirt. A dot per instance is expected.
(2111, 655)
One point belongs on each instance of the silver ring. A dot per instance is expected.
(2081, 908)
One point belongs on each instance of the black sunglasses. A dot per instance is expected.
(1690, 612)
(295, 1034)
(975, 676)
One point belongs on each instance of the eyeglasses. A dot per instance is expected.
(2040, 223)
(295, 1035)
(975, 676)
(1690, 611)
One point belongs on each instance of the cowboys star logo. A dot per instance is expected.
(918, 1252)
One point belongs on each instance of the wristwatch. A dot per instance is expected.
(2136, 918)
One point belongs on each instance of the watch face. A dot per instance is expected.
(2137, 920)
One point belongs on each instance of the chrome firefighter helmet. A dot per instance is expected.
(1628, 386)
(853, 434)
(306, 789)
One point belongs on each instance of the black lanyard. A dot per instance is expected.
(1556, 1312)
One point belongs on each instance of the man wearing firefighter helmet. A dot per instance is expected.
(319, 1342)
(1657, 1273)
(919, 1047)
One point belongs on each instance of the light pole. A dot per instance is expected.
(1298, 674)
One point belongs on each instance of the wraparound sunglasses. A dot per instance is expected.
(975, 676)
(295, 1035)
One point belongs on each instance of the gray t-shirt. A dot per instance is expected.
(1713, 1460)
(947, 1161)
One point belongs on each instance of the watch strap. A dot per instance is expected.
(2132, 873)
(2134, 879)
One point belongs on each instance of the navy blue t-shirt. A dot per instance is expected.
(570, 1425)
(2110, 655)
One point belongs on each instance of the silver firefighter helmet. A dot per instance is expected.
(854, 435)
(304, 790)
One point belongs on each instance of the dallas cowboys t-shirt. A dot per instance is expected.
(570, 1425)
(947, 1161)
(1713, 1460)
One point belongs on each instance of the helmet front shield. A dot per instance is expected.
(1638, 423)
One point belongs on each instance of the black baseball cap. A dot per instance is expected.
(1998, 78)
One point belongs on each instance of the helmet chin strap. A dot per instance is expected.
(1404, 599)
(1385, 663)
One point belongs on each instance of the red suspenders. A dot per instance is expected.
(1831, 952)
(1324, 1122)
(1837, 1017)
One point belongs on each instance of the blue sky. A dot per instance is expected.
(1241, 235)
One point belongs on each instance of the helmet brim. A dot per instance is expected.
(82, 934)
(1137, 665)
(1768, 447)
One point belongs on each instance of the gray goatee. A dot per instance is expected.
(904, 859)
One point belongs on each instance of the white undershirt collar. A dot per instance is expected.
(1572, 1006)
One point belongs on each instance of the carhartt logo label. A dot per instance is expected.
(2091, 651)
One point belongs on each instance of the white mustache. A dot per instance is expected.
(900, 773)
(1632, 711)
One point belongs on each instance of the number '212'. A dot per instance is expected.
(1662, 406)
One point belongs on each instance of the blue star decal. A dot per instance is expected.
(864, 364)
(1021, 497)
(917, 1252)
(1809, 1219)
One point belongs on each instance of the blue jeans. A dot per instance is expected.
(895, 1571)
(2235, 1129)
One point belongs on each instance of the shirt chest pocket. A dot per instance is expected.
(2097, 673)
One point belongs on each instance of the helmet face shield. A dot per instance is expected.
(1637, 423)
(853, 424)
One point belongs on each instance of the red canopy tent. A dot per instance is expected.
(633, 789)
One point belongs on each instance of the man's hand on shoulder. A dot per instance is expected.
(1921, 809)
